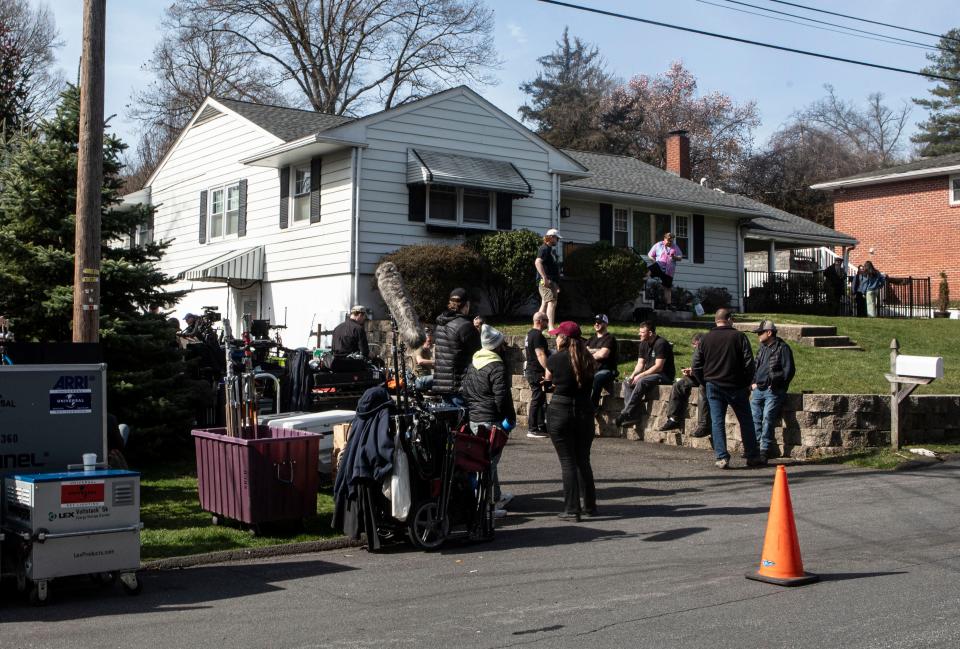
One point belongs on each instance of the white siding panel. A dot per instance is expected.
(456, 125)
(719, 267)
(208, 156)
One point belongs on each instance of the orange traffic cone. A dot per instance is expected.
(780, 562)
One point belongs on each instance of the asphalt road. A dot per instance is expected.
(663, 567)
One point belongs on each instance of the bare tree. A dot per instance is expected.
(33, 33)
(188, 64)
(874, 131)
(343, 54)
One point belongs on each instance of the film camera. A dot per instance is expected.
(210, 314)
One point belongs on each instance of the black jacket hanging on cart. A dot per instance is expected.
(367, 460)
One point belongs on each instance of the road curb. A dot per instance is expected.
(243, 554)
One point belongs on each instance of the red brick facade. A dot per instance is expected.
(911, 226)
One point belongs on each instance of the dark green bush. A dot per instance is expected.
(431, 271)
(608, 276)
(509, 275)
(713, 298)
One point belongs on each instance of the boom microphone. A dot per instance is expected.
(395, 296)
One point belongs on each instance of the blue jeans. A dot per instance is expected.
(602, 379)
(738, 399)
(766, 405)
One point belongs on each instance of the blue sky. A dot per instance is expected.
(525, 29)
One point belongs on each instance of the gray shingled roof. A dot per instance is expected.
(286, 123)
(626, 175)
(949, 160)
(777, 222)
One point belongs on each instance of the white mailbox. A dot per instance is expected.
(925, 367)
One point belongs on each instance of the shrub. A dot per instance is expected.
(713, 298)
(431, 271)
(509, 275)
(943, 298)
(609, 277)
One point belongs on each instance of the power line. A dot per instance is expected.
(880, 37)
(866, 20)
(748, 42)
(903, 41)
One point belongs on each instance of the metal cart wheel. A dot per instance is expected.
(39, 592)
(105, 578)
(425, 529)
(130, 583)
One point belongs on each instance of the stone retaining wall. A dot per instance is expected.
(810, 425)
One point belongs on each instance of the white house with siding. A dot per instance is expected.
(283, 214)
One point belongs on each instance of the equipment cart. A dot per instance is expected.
(73, 523)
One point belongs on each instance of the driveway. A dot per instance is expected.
(662, 567)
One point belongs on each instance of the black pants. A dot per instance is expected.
(537, 409)
(680, 395)
(570, 426)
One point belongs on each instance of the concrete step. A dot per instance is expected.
(831, 342)
(792, 332)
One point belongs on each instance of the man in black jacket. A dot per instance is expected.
(725, 366)
(774, 371)
(455, 341)
(349, 337)
(486, 389)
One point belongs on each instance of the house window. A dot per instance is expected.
(955, 190)
(681, 233)
(224, 211)
(620, 226)
(468, 207)
(301, 194)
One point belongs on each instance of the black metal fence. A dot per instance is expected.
(799, 292)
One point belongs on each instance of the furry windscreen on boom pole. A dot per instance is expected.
(394, 294)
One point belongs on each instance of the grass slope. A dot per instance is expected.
(828, 371)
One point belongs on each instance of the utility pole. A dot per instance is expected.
(86, 271)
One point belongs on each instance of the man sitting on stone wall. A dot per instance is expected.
(680, 396)
(654, 367)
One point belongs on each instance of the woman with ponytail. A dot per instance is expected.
(570, 419)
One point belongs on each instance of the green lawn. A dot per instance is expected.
(174, 524)
(831, 371)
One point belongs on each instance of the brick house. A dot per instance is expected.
(906, 218)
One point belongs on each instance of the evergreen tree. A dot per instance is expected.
(566, 95)
(13, 84)
(147, 386)
(940, 134)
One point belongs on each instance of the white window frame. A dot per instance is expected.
(226, 187)
(953, 188)
(459, 222)
(627, 228)
(294, 196)
(674, 222)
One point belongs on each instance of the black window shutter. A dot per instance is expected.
(698, 247)
(242, 216)
(284, 197)
(203, 216)
(504, 211)
(606, 222)
(315, 190)
(417, 204)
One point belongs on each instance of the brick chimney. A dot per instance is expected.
(678, 153)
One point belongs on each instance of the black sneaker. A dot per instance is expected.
(620, 421)
(771, 453)
(701, 432)
(759, 460)
(670, 424)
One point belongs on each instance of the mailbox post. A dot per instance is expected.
(906, 373)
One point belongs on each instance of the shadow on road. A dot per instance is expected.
(843, 576)
(163, 592)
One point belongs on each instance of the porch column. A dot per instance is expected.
(772, 257)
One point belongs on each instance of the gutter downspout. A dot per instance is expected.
(741, 286)
(357, 162)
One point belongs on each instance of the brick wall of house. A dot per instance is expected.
(911, 226)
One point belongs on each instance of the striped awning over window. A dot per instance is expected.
(236, 264)
(437, 168)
